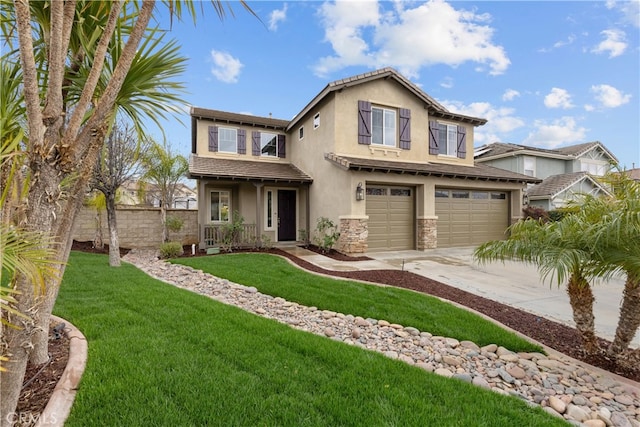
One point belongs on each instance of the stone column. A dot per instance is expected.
(427, 228)
(354, 233)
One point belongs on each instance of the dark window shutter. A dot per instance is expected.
(255, 143)
(462, 142)
(405, 129)
(433, 137)
(242, 141)
(364, 122)
(281, 146)
(213, 138)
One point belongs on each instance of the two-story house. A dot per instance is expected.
(373, 153)
(566, 172)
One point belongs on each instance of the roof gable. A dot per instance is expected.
(554, 185)
(435, 108)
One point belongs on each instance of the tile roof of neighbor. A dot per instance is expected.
(245, 170)
(478, 172)
(555, 184)
(498, 149)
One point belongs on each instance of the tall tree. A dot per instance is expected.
(163, 169)
(117, 164)
(63, 49)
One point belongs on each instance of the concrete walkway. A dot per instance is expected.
(511, 283)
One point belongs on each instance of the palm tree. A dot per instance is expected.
(164, 170)
(65, 132)
(560, 250)
(617, 248)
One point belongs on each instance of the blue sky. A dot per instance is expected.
(545, 74)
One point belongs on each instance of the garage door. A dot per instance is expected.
(467, 217)
(391, 214)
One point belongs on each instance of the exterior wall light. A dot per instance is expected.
(359, 192)
(525, 199)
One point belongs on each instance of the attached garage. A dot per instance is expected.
(391, 212)
(470, 217)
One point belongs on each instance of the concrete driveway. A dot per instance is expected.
(511, 283)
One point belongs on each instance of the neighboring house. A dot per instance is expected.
(566, 172)
(184, 197)
(373, 153)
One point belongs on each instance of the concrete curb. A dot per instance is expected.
(59, 406)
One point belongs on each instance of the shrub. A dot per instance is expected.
(326, 234)
(535, 212)
(174, 223)
(231, 232)
(560, 213)
(170, 250)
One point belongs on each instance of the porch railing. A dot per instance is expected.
(220, 236)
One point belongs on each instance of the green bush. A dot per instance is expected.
(326, 234)
(171, 250)
(560, 213)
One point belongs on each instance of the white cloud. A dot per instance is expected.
(510, 95)
(609, 96)
(558, 98)
(225, 68)
(447, 83)
(500, 121)
(566, 42)
(363, 33)
(614, 43)
(276, 16)
(559, 132)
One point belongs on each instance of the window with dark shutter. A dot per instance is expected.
(281, 146)
(242, 141)
(405, 128)
(462, 142)
(213, 138)
(434, 128)
(255, 143)
(364, 122)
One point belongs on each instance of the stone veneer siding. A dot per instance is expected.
(353, 236)
(427, 233)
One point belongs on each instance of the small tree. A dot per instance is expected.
(118, 163)
(163, 169)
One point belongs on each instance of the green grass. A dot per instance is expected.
(275, 276)
(163, 356)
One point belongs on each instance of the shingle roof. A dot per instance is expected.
(477, 172)
(245, 170)
(498, 149)
(435, 108)
(555, 184)
(240, 119)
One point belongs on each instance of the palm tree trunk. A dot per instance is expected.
(163, 220)
(114, 244)
(581, 299)
(629, 320)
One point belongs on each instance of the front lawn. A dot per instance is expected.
(275, 276)
(163, 356)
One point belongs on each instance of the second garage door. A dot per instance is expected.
(391, 212)
(468, 217)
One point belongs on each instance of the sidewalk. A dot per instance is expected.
(512, 283)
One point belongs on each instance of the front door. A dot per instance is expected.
(286, 215)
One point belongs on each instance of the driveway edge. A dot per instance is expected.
(59, 406)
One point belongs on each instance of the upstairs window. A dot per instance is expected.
(447, 139)
(301, 132)
(227, 140)
(268, 144)
(383, 127)
(316, 121)
(594, 167)
(529, 166)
